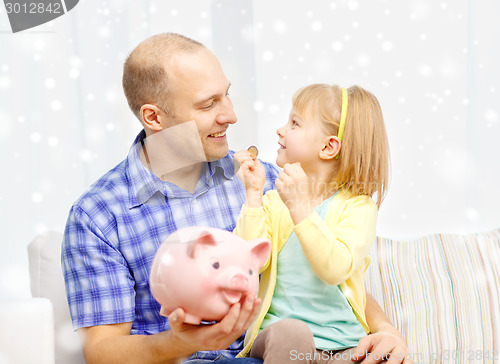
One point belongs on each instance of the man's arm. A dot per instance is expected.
(385, 339)
(377, 319)
(114, 344)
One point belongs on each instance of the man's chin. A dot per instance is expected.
(213, 155)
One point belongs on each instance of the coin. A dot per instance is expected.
(254, 152)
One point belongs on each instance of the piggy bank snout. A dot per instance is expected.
(235, 288)
(239, 282)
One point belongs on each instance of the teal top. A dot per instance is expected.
(300, 294)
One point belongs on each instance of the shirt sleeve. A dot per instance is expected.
(99, 286)
(335, 249)
(272, 173)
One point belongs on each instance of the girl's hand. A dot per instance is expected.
(292, 185)
(253, 176)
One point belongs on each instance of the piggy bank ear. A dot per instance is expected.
(261, 250)
(204, 240)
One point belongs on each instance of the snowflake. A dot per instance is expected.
(50, 83)
(267, 56)
(37, 197)
(337, 46)
(387, 46)
(491, 117)
(35, 137)
(280, 26)
(53, 141)
(56, 105)
(74, 73)
(4, 82)
(316, 26)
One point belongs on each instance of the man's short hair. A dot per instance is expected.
(145, 78)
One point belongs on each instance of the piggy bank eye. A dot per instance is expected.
(250, 271)
(215, 262)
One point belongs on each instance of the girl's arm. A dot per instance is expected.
(335, 249)
(253, 176)
(252, 222)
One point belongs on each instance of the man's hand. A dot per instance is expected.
(109, 344)
(217, 336)
(375, 347)
(385, 341)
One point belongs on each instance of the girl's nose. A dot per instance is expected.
(279, 132)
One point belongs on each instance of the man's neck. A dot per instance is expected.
(185, 177)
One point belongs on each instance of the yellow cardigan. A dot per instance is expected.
(336, 248)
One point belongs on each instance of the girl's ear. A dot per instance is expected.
(153, 117)
(331, 147)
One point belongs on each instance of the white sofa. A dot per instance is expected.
(44, 321)
(441, 291)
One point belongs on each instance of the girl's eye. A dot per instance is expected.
(294, 123)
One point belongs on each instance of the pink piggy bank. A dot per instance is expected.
(204, 271)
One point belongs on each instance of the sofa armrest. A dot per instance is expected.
(47, 281)
(26, 331)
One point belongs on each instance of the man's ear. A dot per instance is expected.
(330, 148)
(153, 118)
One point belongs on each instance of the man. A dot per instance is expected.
(178, 173)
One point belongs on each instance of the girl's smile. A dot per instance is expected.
(300, 140)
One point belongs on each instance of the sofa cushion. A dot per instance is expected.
(442, 293)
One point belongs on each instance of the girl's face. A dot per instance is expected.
(301, 141)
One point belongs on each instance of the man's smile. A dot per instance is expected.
(218, 135)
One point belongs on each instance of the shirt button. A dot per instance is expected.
(195, 201)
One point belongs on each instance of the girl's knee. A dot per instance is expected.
(294, 325)
(278, 341)
(289, 327)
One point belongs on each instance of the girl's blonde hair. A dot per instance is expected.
(363, 166)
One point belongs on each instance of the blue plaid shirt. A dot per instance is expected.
(114, 229)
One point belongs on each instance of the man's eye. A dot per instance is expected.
(208, 107)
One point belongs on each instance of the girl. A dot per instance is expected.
(321, 221)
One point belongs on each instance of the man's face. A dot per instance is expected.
(200, 93)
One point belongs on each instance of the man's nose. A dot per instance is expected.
(227, 114)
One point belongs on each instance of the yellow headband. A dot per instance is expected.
(343, 116)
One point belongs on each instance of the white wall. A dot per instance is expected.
(433, 65)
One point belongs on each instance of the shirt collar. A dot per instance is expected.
(224, 165)
(144, 184)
